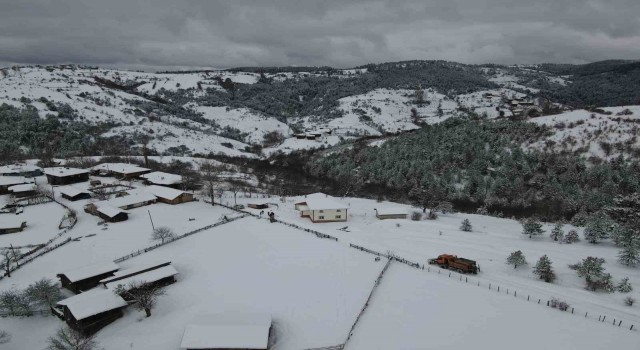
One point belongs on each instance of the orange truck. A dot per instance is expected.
(452, 262)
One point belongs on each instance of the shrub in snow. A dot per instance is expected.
(629, 301)
(416, 216)
(561, 305)
(544, 270)
(603, 282)
(69, 339)
(466, 225)
(624, 286)
(15, 303)
(482, 211)
(143, 294)
(580, 219)
(5, 337)
(590, 268)
(532, 227)
(432, 215)
(516, 259)
(557, 233)
(571, 237)
(44, 293)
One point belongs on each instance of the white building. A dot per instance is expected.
(319, 207)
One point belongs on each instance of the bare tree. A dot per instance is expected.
(5, 337)
(70, 339)
(44, 292)
(145, 295)
(210, 177)
(15, 303)
(162, 234)
(6, 261)
(236, 186)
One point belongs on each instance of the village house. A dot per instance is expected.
(25, 170)
(90, 311)
(11, 224)
(87, 277)
(391, 213)
(111, 214)
(130, 201)
(66, 176)
(162, 179)
(227, 332)
(319, 207)
(119, 170)
(73, 194)
(170, 195)
(9, 181)
(23, 190)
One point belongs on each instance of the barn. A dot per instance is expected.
(73, 194)
(87, 277)
(391, 213)
(66, 176)
(130, 201)
(319, 207)
(119, 170)
(158, 277)
(23, 190)
(11, 224)
(133, 271)
(170, 195)
(90, 311)
(26, 170)
(162, 179)
(227, 332)
(111, 214)
(9, 181)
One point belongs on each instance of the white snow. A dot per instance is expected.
(227, 332)
(18, 168)
(320, 201)
(162, 178)
(125, 201)
(92, 270)
(22, 188)
(92, 302)
(120, 168)
(109, 210)
(133, 271)
(164, 192)
(70, 191)
(145, 277)
(62, 171)
(12, 180)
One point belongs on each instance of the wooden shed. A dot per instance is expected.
(228, 332)
(158, 277)
(11, 226)
(23, 190)
(87, 277)
(26, 170)
(10, 181)
(120, 170)
(65, 176)
(162, 179)
(90, 311)
(170, 195)
(111, 214)
(391, 213)
(258, 205)
(73, 194)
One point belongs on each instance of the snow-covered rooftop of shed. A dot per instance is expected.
(162, 178)
(391, 211)
(18, 168)
(10, 221)
(11, 180)
(22, 188)
(92, 302)
(320, 201)
(164, 192)
(227, 332)
(124, 201)
(133, 270)
(90, 271)
(70, 191)
(145, 277)
(62, 171)
(109, 210)
(121, 168)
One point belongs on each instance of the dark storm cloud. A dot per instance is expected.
(338, 33)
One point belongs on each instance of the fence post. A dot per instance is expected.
(528, 297)
(585, 314)
(498, 288)
(631, 328)
(605, 316)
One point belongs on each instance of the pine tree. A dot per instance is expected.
(544, 270)
(571, 237)
(629, 241)
(624, 286)
(466, 225)
(598, 227)
(557, 233)
(590, 268)
(532, 227)
(516, 259)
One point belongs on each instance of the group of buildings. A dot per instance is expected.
(319, 207)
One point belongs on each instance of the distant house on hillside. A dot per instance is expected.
(26, 170)
(9, 181)
(11, 225)
(162, 179)
(87, 277)
(119, 170)
(73, 194)
(90, 311)
(23, 190)
(111, 214)
(391, 213)
(228, 332)
(319, 207)
(66, 176)
(170, 195)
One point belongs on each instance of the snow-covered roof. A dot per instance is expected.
(11, 180)
(145, 277)
(70, 191)
(391, 211)
(92, 302)
(10, 221)
(22, 188)
(227, 332)
(124, 201)
(134, 270)
(62, 171)
(120, 168)
(320, 201)
(164, 192)
(18, 168)
(162, 178)
(90, 271)
(109, 210)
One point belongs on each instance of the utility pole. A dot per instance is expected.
(152, 227)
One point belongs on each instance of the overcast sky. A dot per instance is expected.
(340, 33)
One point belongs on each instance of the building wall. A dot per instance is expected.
(183, 198)
(84, 284)
(92, 324)
(65, 180)
(328, 215)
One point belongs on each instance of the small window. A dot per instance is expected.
(322, 211)
(339, 210)
(321, 217)
(338, 216)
